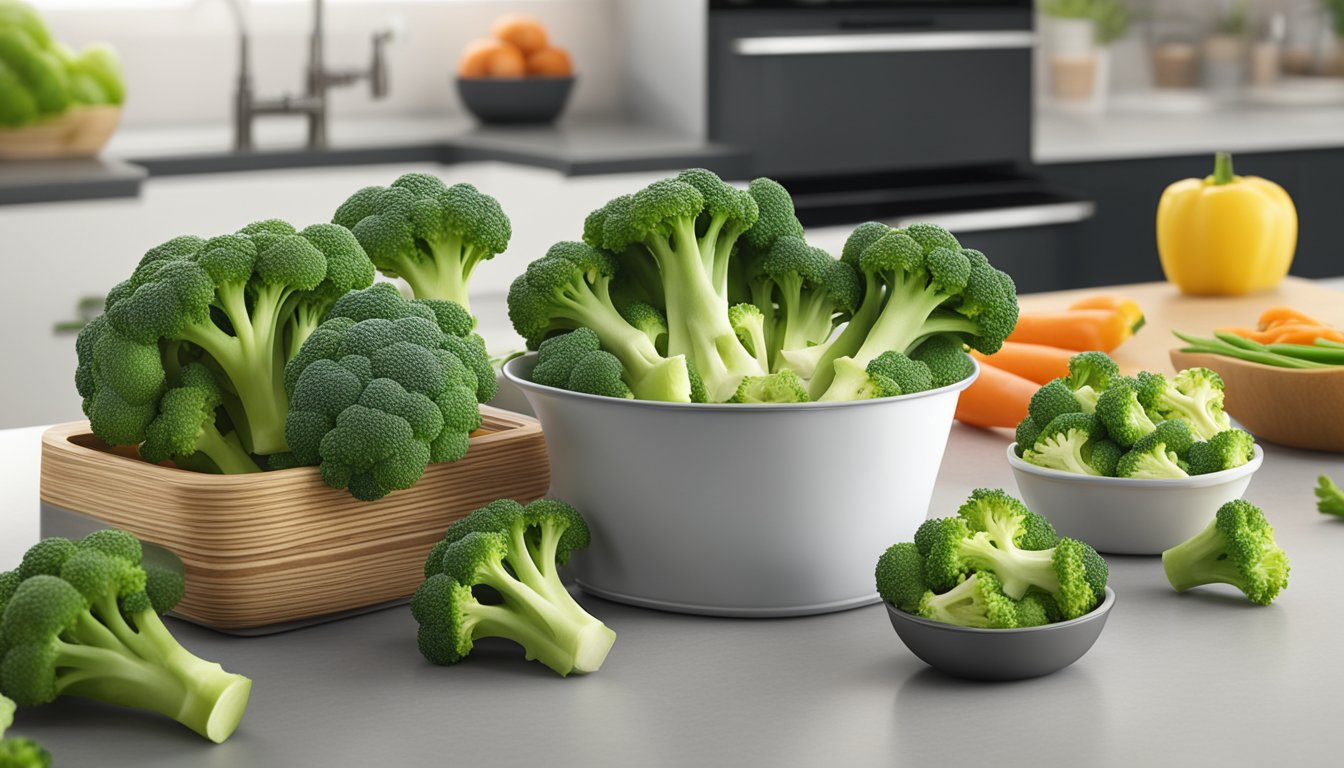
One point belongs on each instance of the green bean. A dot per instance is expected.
(1309, 352)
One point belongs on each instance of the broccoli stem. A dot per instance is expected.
(1201, 560)
(226, 452)
(441, 272)
(850, 339)
(151, 671)
(566, 648)
(1017, 569)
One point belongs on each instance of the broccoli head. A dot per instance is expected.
(575, 361)
(900, 576)
(1226, 450)
(380, 391)
(1194, 395)
(979, 601)
(514, 551)
(1069, 443)
(1090, 374)
(431, 235)
(1236, 548)
(1122, 414)
(1006, 520)
(81, 618)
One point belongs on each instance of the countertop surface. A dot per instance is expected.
(1120, 134)
(1196, 679)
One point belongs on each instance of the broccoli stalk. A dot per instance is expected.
(1329, 497)
(515, 551)
(82, 619)
(979, 601)
(1236, 548)
(1194, 395)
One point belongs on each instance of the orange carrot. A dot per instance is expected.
(1276, 316)
(1038, 362)
(996, 399)
(1128, 308)
(1280, 333)
(1080, 330)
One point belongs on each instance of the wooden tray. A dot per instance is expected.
(281, 546)
(77, 132)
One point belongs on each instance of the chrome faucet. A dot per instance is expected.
(313, 103)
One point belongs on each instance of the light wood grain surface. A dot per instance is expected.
(281, 546)
(1168, 309)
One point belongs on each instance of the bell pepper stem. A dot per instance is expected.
(1222, 168)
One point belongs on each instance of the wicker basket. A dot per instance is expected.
(281, 547)
(76, 132)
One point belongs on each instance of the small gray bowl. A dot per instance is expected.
(515, 100)
(998, 655)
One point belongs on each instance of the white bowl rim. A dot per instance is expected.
(1194, 481)
(512, 375)
(1096, 613)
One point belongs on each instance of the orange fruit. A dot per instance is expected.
(550, 62)
(521, 31)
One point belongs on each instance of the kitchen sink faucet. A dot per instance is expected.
(320, 80)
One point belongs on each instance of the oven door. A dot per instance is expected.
(833, 90)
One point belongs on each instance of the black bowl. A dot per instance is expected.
(515, 100)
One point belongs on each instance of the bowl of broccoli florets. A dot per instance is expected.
(994, 593)
(1134, 465)
(744, 417)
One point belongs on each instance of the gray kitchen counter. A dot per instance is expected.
(1204, 678)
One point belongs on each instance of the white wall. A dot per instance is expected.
(667, 63)
(180, 56)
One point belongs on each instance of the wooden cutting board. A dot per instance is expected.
(1168, 309)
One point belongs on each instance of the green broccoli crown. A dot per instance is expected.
(1105, 457)
(1092, 369)
(1150, 460)
(1195, 395)
(1226, 450)
(909, 375)
(1067, 444)
(648, 319)
(1329, 497)
(557, 356)
(515, 551)
(1237, 548)
(900, 576)
(431, 235)
(1053, 400)
(724, 205)
(80, 618)
(858, 241)
(1174, 434)
(978, 601)
(940, 540)
(775, 219)
(1025, 435)
(946, 358)
(375, 401)
(1122, 414)
(1071, 571)
(1006, 520)
(782, 387)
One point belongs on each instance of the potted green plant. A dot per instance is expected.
(1077, 37)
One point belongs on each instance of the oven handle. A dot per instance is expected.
(1020, 217)
(883, 42)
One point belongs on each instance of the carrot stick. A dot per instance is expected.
(1038, 362)
(996, 399)
(1080, 330)
(1127, 308)
(1304, 335)
(1275, 316)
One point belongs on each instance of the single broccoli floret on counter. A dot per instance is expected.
(900, 576)
(1122, 414)
(379, 392)
(16, 752)
(81, 618)
(979, 601)
(431, 235)
(1090, 374)
(1329, 497)
(926, 284)
(1069, 444)
(1226, 450)
(1237, 548)
(516, 552)
(1194, 395)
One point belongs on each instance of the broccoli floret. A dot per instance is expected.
(1025, 436)
(1151, 459)
(186, 430)
(1105, 458)
(1031, 612)
(568, 288)
(1329, 497)
(946, 358)
(812, 290)
(900, 576)
(575, 361)
(1006, 520)
(979, 601)
(650, 320)
(887, 375)
(514, 551)
(1236, 548)
(1122, 414)
(1068, 444)
(1225, 450)
(782, 387)
(81, 618)
(375, 400)
(1090, 374)
(1053, 400)
(17, 752)
(749, 324)
(1194, 395)
(431, 235)
(926, 284)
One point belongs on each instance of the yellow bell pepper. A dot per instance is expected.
(1226, 235)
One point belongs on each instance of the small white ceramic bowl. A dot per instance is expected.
(1123, 516)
